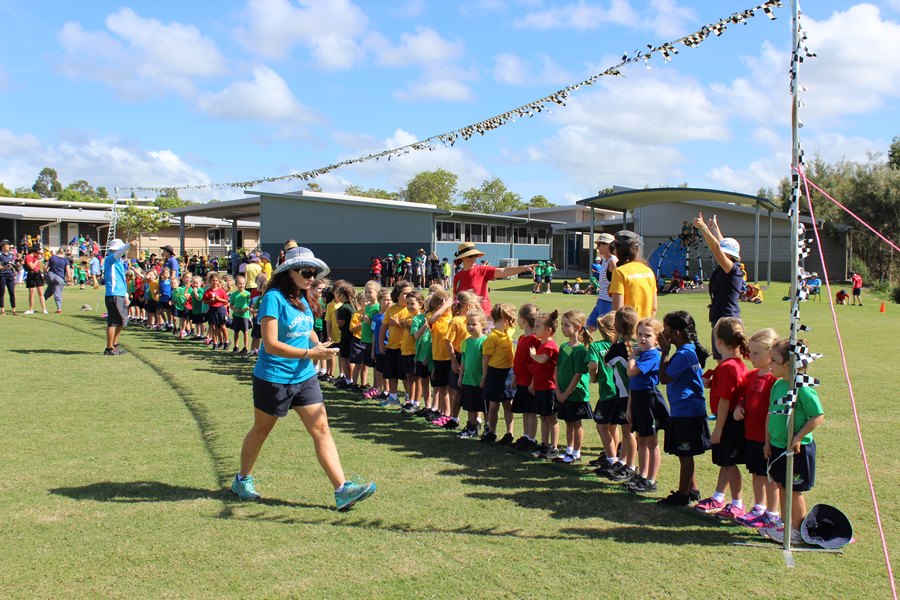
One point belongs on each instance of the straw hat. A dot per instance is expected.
(300, 257)
(467, 249)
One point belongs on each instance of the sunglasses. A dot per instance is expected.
(308, 273)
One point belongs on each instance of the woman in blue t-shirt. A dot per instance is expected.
(284, 377)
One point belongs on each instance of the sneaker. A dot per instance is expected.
(341, 383)
(450, 424)
(355, 490)
(605, 469)
(489, 437)
(749, 515)
(553, 453)
(254, 353)
(440, 421)
(760, 521)
(58, 311)
(243, 488)
(731, 512)
(520, 443)
(640, 485)
(28, 312)
(112, 352)
(506, 440)
(675, 499)
(385, 403)
(410, 407)
(599, 461)
(226, 345)
(621, 473)
(467, 432)
(571, 459)
(541, 451)
(694, 495)
(776, 534)
(45, 312)
(709, 505)
(243, 352)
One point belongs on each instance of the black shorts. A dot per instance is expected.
(256, 332)
(344, 345)
(239, 324)
(471, 398)
(804, 467)
(757, 463)
(620, 411)
(357, 354)
(687, 436)
(548, 278)
(152, 306)
(215, 316)
(320, 333)
(137, 302)
(648, 412)
(545, 403)
(523, 401)
(368, 359)
(116, 311)
(603, 411)
(571, 412)
(440, 373)
(277, 399)
(393, 367)
(34, 279)
(408, 362)
(730, 451)
(495, 385)
(198, 318)
(379, 363)
(420, 369)
(856, 291)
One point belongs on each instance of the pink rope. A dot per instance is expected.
(862, 447)
(846, 210)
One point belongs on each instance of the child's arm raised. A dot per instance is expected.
(538, 358)
(440, 311)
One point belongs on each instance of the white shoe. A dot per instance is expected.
(28, 312)
(45, 312)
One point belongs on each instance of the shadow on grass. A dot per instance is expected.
(54, 351)
(157, 491)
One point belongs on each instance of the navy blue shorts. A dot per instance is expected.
(755, 459)
(572, 412)
(730, 450)
(620, 411)
(393, 367)
(277, 399)
(379, 363)
(239, 324)
(216, 315)
(357, 354)
(545, 403)
(198, 318)
(804, 467)
(368, 359)
(420, 369)
(471, 399)
(687, 436)
(495, 385)
(523, 401)
(603, 411)
(648, 412)
(408, 361)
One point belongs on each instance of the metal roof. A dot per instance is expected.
(631, 199)
(242, 208)
(40, 213)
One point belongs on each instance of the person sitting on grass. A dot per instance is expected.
(842, 297)
(284, 377)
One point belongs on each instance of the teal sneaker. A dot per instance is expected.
(355, 490)
(244, 489)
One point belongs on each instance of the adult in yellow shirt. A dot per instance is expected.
(252, 271)
(265, 262)
(633, 282)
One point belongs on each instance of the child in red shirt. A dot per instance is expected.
(753, 408)
(216, 298)
(523, 401)
(728, 435)
(543, 383)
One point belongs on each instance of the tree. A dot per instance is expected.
(101, 192)
(436, 187)
(47, 184)
(539, 201)
(491, 198)
(355, 190)
(894, 154)
(5, 191)
(82, 187)
(313, 186)
(169, 199)
(134, 222)
(24, 192)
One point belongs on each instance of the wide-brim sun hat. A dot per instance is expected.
(465, 250)
(116, 244)
(730, 247)
(605, 238)
(253, 258)
(827, 527)
(300, 258)
(168, 248)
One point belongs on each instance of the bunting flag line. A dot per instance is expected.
(558, 98)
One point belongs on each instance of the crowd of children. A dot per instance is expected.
(452, 358)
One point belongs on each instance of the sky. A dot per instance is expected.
(169, 93)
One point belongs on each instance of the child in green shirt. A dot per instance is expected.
(239, 301)
(471, 372)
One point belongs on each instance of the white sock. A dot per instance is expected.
(772, 514)
(737, 503)
(718, 497)
(611, 461)
(759, 507)
(576, 453)
(569, 450)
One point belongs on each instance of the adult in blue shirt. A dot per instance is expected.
(284, 377)
(57, 269)
(170, 262)
(116, 294)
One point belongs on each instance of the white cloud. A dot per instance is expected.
(580, 15)
(424, 47)
(138, 56)
(411, 9)
(512, 69)
(396, 172)
(435, 88)
(651, 110)
(266, 98)
(668, 19)
(12, 145)
(329, 28)
(855, 71)
(104, 161)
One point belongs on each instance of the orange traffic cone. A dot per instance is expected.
(882, 308)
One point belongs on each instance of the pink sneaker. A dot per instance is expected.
(731, 512)
(763, 521)
(749, 516)
(709, 505)
(440, 421)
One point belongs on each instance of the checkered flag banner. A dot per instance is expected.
(802, 327)
(786, 403)
(802, 356)
(804, 380)
(802, 294)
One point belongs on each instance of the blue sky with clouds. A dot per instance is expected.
(173, 93)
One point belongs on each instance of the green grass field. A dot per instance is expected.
(117, 467)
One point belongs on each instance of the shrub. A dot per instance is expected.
(895, 295)
(857, 264)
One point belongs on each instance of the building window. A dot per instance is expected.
(476, 233)
(215, 237)
(448, 231)
(520, 235)
(499, 234)
(539, 236)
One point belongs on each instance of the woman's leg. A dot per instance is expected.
(315, 419)
(253, 441)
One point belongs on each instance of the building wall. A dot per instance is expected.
(196, 239)
(495, 253)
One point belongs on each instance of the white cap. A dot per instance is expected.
(115, 245)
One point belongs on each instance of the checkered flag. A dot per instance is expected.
(802, 356)
(802, 295)
(788, 399)
(804, 380)
(802, 327)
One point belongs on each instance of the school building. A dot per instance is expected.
(347, 231)
(55, 223)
